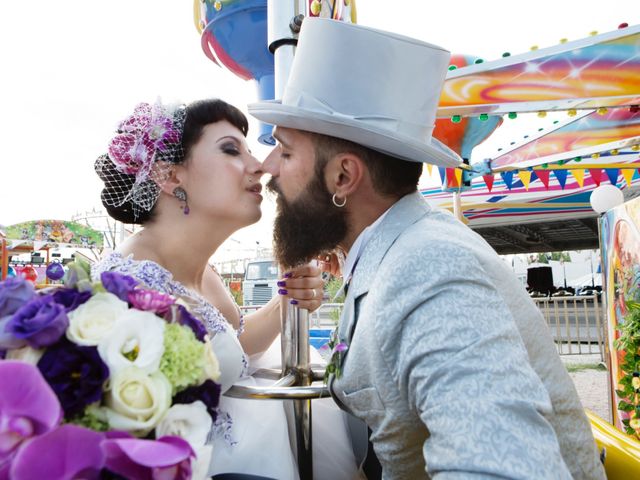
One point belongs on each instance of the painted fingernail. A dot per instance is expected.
(293, 301)
(282, 283)
(288, 275)
(282, 291)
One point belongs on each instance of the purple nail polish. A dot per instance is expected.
(288, 275)
(282, 291)
(282, 283)
(293, 301)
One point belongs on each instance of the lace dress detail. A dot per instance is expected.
(158, 278)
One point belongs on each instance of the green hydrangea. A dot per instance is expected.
(183, 359)
(92, 419)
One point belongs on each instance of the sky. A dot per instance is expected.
(71, 69)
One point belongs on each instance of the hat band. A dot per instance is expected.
(304, 100)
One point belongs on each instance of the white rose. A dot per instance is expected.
(193, 423)
(26, 354)
(137, 340)
(211, 369)
(94, 320)
(135, 402)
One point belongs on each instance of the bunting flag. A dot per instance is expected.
(627, 173)
(543, 175)
(429, 168)
(525, 177)
(452, 180)
(596, 175)
(561, 175)
(443, 175)
(507, 177)
(488, 180)
(579, 176)
(612, 173)
(458, 174)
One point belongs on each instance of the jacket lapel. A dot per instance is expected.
(408, 210)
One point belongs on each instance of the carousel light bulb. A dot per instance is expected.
(506, 54)
(602, 110)
(615, 151)
(452, 68)
(572, 112)
(542, 114)
(483, 117)
(593, 33)
(606, 197)
(534, 48)
(456, 119)
(478, 60)
(512, 115)
(563, 40)
(595, 155)
(623, 25)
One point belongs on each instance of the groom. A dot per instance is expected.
(447, 359)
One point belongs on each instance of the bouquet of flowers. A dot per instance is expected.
(103, 380)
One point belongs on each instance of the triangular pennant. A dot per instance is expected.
(627, 173)
(443, 175)
(561, 175)
(458, 174)
(429, 168)
(534, 177)
(488, 180)
(525, 176)
(596, 175)
(507, 177)
(637, 174)
(578, 174)
(452, 180)
(543, 175)
(612, 173)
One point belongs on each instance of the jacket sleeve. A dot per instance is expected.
(456, 354)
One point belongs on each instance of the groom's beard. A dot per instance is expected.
(308, 226)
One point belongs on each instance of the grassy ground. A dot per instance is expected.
(580, 367)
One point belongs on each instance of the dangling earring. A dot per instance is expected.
(339, 205)
(181, 195)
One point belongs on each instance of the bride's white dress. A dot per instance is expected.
(250, 436)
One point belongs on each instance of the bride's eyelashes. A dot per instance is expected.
(230, 149)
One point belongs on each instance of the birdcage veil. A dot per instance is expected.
(140, 156)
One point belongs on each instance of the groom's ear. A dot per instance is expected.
(345, 173)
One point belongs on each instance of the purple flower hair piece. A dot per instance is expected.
(150, 301)
(118, 284)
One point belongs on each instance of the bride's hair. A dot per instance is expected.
(131, 201)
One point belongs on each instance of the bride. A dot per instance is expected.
(187, 175)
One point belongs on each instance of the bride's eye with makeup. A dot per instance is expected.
(230, 148)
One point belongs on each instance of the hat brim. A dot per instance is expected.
(385, 141)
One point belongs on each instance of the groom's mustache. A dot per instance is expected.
(273, 187)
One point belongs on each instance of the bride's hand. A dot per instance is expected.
(303, 286)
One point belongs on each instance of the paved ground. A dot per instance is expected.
(591, 383)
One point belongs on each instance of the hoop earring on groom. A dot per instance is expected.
(339, 205)
(181, 195)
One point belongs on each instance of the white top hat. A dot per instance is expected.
(372, 87)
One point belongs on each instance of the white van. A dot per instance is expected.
(260, 281)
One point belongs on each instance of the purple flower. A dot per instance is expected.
(150, 301)
(180, 314)
(41, 322)
(14, 292)
(341, 347)
(70, 298)
(66, 452)
(75, 373)
(135, 459)
(208, 393)
(118, 284)
(28, 407)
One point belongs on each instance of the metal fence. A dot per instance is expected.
(576, 323)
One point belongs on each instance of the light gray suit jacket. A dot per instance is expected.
(450, 362)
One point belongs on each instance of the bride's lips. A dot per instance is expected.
(256, 189)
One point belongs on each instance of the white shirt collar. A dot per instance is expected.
(356, 250)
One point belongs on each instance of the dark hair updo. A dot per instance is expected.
(197, 115)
